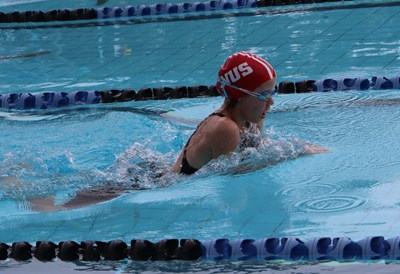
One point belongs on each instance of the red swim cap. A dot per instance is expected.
(244, 70)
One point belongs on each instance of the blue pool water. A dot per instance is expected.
(351, 191)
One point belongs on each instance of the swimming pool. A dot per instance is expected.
(348, 192)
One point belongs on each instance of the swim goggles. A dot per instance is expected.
(263, 96)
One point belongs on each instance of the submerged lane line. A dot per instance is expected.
(192, 17)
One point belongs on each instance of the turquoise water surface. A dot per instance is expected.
(351, 191)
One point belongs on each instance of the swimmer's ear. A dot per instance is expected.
(141, 250)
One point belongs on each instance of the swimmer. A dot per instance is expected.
(248, 83)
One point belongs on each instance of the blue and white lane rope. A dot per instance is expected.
(48, 100)
(169, 8)
(265, 249)
(143, 10)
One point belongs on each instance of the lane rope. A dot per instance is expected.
(143, 10)
(48, 100)
(287, 248)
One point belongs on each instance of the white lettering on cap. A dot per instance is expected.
(236, 73)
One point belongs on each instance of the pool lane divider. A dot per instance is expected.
(49, 100)
(143, 10)
(265, 249)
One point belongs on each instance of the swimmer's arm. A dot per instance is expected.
(249, 166)
(314, 149)
(260, 124)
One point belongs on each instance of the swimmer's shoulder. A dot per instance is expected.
(224, 132)
(222, 125)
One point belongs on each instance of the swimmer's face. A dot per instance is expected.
(256, 109)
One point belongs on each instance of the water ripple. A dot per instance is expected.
(309, 191)
(293, 102)
(329, 204)
(326, 197)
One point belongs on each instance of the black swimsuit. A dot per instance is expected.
(186, 168)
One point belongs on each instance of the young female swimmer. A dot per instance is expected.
(247, 82)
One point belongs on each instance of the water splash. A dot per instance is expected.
(267, 149)
(25, 175)
(144, 168)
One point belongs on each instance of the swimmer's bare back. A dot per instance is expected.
(30, 54)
